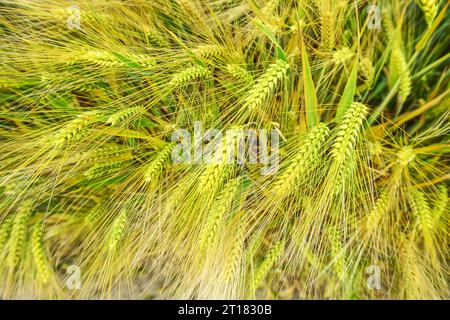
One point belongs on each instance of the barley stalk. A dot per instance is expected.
(328, 39)
(342, 56)
(337, 252)
(380, 209)
(209, 51)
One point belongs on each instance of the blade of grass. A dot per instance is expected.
(312, 116)
(349, 92)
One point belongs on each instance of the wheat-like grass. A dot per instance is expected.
(348, 132)
(117, 230)
(271, 257)
(342, 56)
(440, 204)
(214, 220)
(402, 69)
(18, 234)
(5, 230)
(266, 83)
(155, 168)
(367, 71)
(103, 169)
(74, 129)
(234, 259)
(421, 211)
(188, 75)
(239, 73)
(328, 38)
(429, 8)
(39, 255)
(123, 115)
(305, 158)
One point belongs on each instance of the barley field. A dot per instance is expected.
(224, 149)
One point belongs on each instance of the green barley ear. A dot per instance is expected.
(405, 156)
(266, 83)
(5, 230)
(39, 255)
(126, 114)
(271, 257)
(74, 129)
(209, 51)
(103, 169)
(224, 201)
(328, 39)
(235, 256)
(342, 56)
(440, 204)
(101, 58)
(117, 231)
(304, 159)
(156, 167)
(402, 70)
(367, 71)
(348, 131)
(18, 234)
(379, 210)
(239, 73)
(188, 75)
(212, 175)
(337, 252)
(422, 212)
(103, 153)
(429, 8)
(192, 10)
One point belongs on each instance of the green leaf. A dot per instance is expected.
(128, 62)
(280, 52)
(312, 115)
(349, 92)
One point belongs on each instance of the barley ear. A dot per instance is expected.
(117, 230)
(224, 201)
(235, 257)
(39, 255)
(271, 257)
(125, 114)
(266, 83)
(18, 234)
(156, 167)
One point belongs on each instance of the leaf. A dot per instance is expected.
(349, 92)
(280, 52)
(312, 115)
(128, 62)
